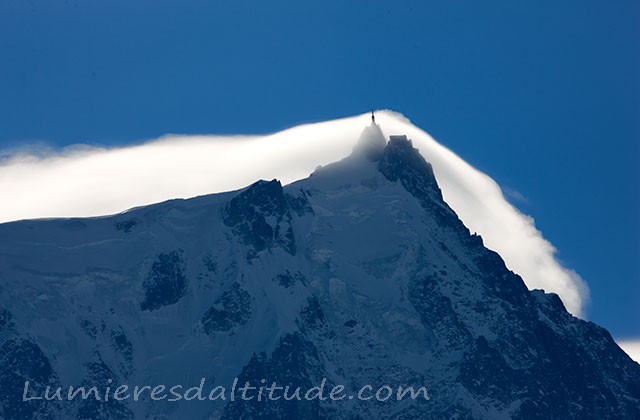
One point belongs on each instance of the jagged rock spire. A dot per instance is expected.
(372, 141)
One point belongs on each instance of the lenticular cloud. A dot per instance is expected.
(85, 181)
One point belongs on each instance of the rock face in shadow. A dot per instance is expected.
(232, 310)
(166, 282)
(260, 217)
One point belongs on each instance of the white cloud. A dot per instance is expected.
(95, 181)
(632, 348)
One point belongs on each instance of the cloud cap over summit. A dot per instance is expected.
(86, 181)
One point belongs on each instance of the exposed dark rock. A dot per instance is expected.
(232, 310)
(89, 328)
(288, 280)
(127, 225)
(260, 216)
(210, 263)
(22, 360)
(293, 364)
(299, 203)
(99, 375)
(166, 282)
(5, 320)
(351, 323)
(124, 351)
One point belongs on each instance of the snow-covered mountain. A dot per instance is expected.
(360, 274)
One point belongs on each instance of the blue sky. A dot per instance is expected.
(545, 98)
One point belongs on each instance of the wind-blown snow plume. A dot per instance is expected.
(95, 181)
(631, 347)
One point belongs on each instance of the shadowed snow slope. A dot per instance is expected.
(91, 182)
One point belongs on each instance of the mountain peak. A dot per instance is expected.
(402, 162)
(371, 142)
(360, 274)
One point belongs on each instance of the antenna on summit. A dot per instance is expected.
(373, 117)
